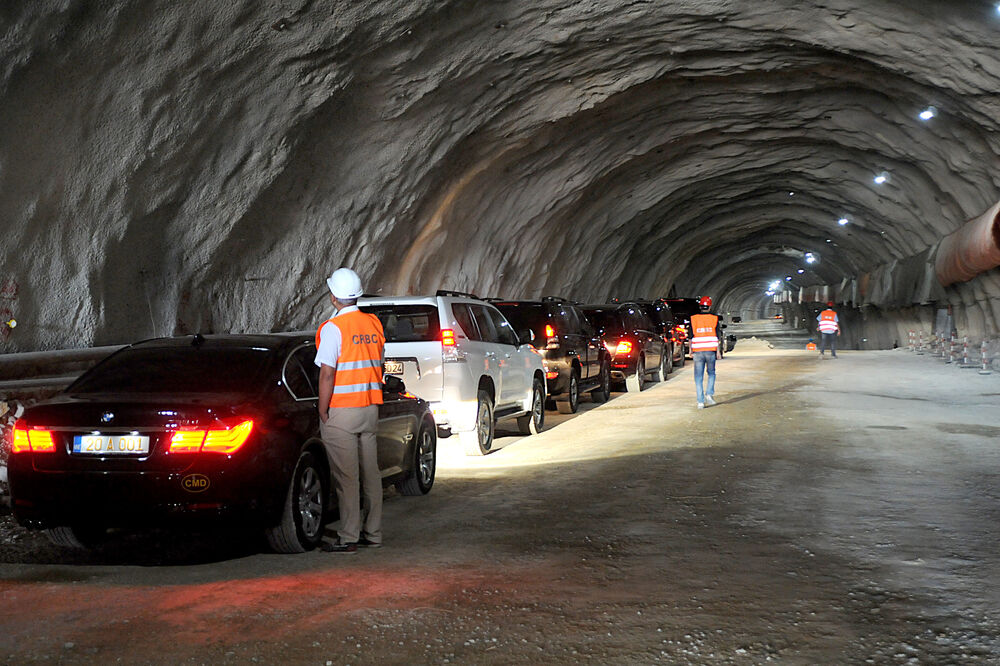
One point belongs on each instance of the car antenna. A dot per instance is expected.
(198, 340)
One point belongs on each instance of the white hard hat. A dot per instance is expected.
(344, 284)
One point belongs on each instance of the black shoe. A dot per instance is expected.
(338, 547)
(365, 543)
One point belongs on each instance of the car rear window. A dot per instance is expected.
(607, 321)
(202, 369)
(532, 316)
(407, 323)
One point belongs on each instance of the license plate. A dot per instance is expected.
(393, 367)
(106, 445)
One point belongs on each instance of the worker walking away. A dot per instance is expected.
(705, 350)
(349, 352)
(829, 327)
(811, 346)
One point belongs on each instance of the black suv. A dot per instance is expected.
(637, 350)
(672, 331)
(574, 354)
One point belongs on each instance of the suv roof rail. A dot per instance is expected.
(493, 299)
(460, 294)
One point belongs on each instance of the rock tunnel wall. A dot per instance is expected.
(171, 167)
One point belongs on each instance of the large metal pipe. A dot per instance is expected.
(971, 250)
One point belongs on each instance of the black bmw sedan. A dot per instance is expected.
(179, 431)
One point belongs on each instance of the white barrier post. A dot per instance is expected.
(920, 345)
(951, 349)
(912, 340)
(986, 367)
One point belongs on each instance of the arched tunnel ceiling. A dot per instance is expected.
(170, 167)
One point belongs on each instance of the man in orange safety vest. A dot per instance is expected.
(829, 326)
(705, 351)
(349, 352)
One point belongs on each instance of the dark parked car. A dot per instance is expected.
(574, 354)
(674, 333)
(637, 350)
(178, 431)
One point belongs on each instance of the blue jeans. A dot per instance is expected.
(703, 360)
(828, 340)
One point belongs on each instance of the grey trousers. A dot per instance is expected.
(828, 340)
(351, 445)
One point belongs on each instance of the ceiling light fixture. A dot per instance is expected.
(928, 113)
(811, 258)
(881, 178)
(801, 271)
(843, 221)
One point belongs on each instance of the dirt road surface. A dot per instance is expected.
(824, 512)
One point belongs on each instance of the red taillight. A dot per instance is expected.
(624, 348)
(448, 337)
(216, 440)
(19, 444)
(36, 439)
(227, 441)
(549, 331)
(551, 374)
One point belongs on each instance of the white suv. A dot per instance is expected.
(461, 355)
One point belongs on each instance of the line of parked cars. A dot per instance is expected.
(225, 427)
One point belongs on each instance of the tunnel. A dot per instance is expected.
(169, 169)
(179, 177)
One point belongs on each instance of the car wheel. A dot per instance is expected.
(633, 383)
(659, 374)
(603, 392)
(572, 401)
(75, 537)
(680, 361)
(532, 423)
(668, 365)
(479, 441)
(421, 477)
(301, 526)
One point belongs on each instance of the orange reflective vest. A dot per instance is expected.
(811, 346)
(828, 322)
(358, 380)
(704, 326)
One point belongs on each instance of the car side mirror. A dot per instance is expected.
(393, 384)
(526, 336)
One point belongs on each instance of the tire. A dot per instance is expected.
(572, 401)
(532, 423)
(603, 392)
(633, 384)
(421, 477)
(680, 363)
(669, 353)
(79, 538)
(479, 442)
(301, 526)
(660, 374)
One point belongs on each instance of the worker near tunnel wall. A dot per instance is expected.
(349, 352)
(829, 327)
(705, 350)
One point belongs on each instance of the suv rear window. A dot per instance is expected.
(407, 323)
(178, 370)
(532, 316)
(608, 321)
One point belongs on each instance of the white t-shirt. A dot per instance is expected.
(329, 341)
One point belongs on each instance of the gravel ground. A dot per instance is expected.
(824, 512)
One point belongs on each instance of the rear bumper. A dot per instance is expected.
(41, 499)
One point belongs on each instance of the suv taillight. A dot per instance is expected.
(551, 339)
(215, 440)
(624, 348)
(448, 337)
(34, 439)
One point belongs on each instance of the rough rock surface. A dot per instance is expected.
(171, 167)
